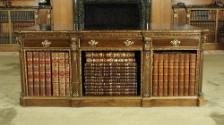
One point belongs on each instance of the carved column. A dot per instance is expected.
(75, 67)
(19, 40)
(147, 67)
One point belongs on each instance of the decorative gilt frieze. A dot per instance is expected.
(46, 43)
(147, 45)
(93, 43)
(129, 43)
(74, 43)
(175, 43)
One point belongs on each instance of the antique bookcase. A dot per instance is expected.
(207, 17)
(18, 18)
(112, 68)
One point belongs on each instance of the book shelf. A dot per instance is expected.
(204, 17)
(111, 68)
(18, 18)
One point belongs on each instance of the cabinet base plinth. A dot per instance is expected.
(172, 101)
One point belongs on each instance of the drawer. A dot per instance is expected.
(111, 43)
(46, 42)
(175, 42)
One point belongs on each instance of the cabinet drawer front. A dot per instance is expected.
(46, 43)
(111, 43)
(175, 42)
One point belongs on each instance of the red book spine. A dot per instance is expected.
(181, 75)
(155, 75)
(67, 74)
(36, 73)
(160, 74)
(166, 75)
(192, 74)
(171, 84)
(42, 73)
(55, 78)
(175, 74)
(48, 74)
(30, 73)
(61, 61)
(186, 74)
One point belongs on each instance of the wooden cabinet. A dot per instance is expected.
(205, 17)
(18, 18)
(105, 68)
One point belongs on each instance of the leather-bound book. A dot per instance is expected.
(193, 59)
(61, 73)
(171, 77)
(42, 73)
(36, 73)
(160, 79)
(186, 74)
(165, 74)
(181, 75)
(175, 74)
(67, 74)
(48, 74)
(55, 73)
(155, 74)
(29, 56)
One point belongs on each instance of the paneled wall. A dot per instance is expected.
(63, 11)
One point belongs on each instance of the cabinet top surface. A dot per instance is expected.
(173, 28)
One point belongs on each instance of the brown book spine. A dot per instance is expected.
(42, 74)
(175, 74)
(48, 74)
(30, 73)
(67, 74)
(181, 75)
(155, 74)
(186, 74)
(160, 79)
(55, 73)
(36, 73)
(171, 77)
(166, 74)
(192, 74)
(61, 73)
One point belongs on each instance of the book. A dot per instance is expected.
(30, 86)
(176, 74)
(42, 73)
(61, 73)
(181, 74)
(48, 82)
(186, 74)
(36, 74)
(160, 75)
(55, 73)
(155, 74)
(67, 74)
(165, 74)
(171, 75)
(192, 84)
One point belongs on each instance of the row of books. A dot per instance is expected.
(4, 16)
(19, 26)
(22, 16)
(203, 15)
(174, 74)
(206, 25)
(4, 38)
(48, 73)
(110, 74)
(221, 15)
(109, 55)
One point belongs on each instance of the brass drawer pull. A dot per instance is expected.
(46, 43)
(93, 43)
(175, 43)
(129, 43)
